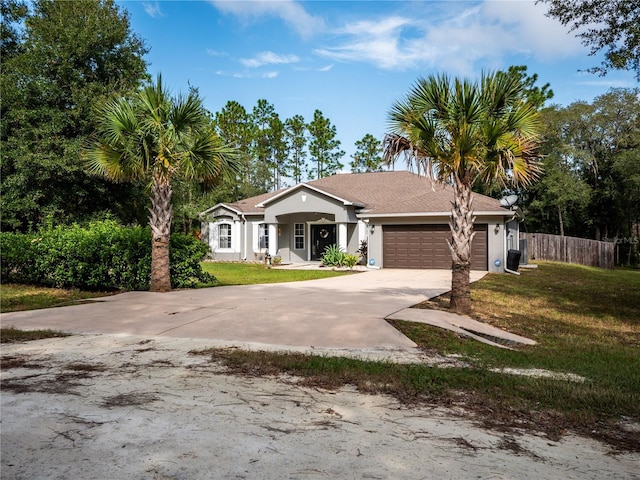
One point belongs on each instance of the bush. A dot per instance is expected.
(17, 260)
(186, 253)
(333, 256)
(104, 255)
(351, 260)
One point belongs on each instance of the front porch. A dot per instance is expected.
(303, 237)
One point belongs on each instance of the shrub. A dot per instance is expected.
(186, 253)
(351, 260)
(104, 255)
(17, 260)
(333, 256)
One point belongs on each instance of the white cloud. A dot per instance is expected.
(326, 68)
(609, 83)
(486, 32)
(271, 74)
(215, 53)
(153, 9)
(268, 58)
(525, 24)
(291, 12)
(381, 43)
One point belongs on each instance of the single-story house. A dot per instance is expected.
(403, 217)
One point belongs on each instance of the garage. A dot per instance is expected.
(425, 246)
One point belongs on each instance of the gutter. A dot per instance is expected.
(244, 220)
(486, 213)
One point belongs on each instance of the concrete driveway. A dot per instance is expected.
(341, 312)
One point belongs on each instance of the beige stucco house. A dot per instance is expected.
(403, 217)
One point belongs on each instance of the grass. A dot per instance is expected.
(13, 335)
(15, 297)
(235, 273)
(586, 322)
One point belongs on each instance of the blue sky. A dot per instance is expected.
(353, 59)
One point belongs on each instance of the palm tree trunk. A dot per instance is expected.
(160, 222)
(461, 237)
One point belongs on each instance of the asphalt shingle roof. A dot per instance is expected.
(383, 193)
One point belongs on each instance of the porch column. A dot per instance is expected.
(273, 239)
(342, 236)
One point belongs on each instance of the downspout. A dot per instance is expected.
(511, 271)
(244, 221)
(506, 269)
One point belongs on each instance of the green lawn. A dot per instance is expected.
(15, 297)
(235, 273)
(587, 323)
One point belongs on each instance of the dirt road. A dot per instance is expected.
(123, 407)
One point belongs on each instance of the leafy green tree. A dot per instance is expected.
(58, 60)
(368, 155)
(458, 131)
(296, 137)
(324, 147)
(592, 177)
(13, 14)
(595, 134)
(558, 202)
(157, 138)
(610, 25)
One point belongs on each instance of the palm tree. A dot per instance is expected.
(157, 138)
(457, 132)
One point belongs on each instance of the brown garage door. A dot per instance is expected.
(425, 246)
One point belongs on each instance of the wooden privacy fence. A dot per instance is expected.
(593, 253)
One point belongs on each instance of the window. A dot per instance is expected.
(263, 236)
(224, 235)
(298, 236)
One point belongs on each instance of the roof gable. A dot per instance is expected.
(301, 186)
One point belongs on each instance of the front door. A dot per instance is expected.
(321, 237)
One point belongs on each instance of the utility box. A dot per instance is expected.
(513, 260)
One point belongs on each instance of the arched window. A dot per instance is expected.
(224, 235)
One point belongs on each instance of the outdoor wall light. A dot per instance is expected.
(372, 228)
(497, 229)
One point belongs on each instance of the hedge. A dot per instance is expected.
(104, 255)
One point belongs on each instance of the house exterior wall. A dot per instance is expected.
(496, 238)
(285, 241)
(309, 201)
(353, 238)
(496, 241)
(232, 253)
(244, 235)
(308, 207)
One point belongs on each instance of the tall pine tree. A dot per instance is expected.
(324, 147)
